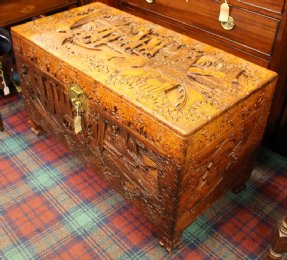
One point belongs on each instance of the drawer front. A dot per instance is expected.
(16, 11)
(266, 5)
(253, 32)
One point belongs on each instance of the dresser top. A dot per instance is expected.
(180, 81)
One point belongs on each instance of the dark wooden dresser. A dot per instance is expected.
(259, 35)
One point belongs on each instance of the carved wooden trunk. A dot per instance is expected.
(169, 122)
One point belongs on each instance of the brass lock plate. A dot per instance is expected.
(78, 98)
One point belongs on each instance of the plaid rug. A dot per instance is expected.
(54, 208)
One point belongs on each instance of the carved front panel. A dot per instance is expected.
(122, 160)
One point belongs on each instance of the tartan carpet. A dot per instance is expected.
(54, 208)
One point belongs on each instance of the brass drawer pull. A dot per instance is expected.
(229, 25)
(225, 19)
(150, 1)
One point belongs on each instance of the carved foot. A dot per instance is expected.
(37, 130)
(169, 245)
(272, 255)
(239, 188)
(279, 243)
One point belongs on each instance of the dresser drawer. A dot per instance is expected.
(253, 32)
(15, 11)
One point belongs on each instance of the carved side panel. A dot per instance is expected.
(221, 155)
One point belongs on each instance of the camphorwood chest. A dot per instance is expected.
(169, 122)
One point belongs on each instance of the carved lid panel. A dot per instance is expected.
(180, 81)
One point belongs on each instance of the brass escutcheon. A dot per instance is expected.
(78, 98)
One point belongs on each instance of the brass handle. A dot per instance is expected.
(150, 1)
(229, 25)
(225, 19)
